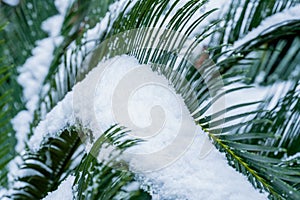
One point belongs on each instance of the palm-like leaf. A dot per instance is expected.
(25, 22)
(272, 54)
(108, 176)
(258, 147)
(7, 141)
(42, 171)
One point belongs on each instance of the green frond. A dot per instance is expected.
(260, 146)
(72, 70)
(285, 118)
(42, 171)
(7, 139)
(241, 17)
(107, 178)
(273, 55)
(261, 151)
(185, 78)
(24, 27)
(80, 17)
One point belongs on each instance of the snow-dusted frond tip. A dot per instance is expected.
(64, 190)
(269, 24)
(295, 156)
(59, 118)
(190, 176)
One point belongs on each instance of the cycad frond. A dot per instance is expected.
(42, 171)
(241, 17)
(24, 27)
(66, 64)
(7, 139)
(270, 53)
(109, 177)
(164, 36)
(274, 170)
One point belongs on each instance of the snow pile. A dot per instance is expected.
(189, 176)
(192, 177)
(53, 28)
(59, 118)
(64, 190)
